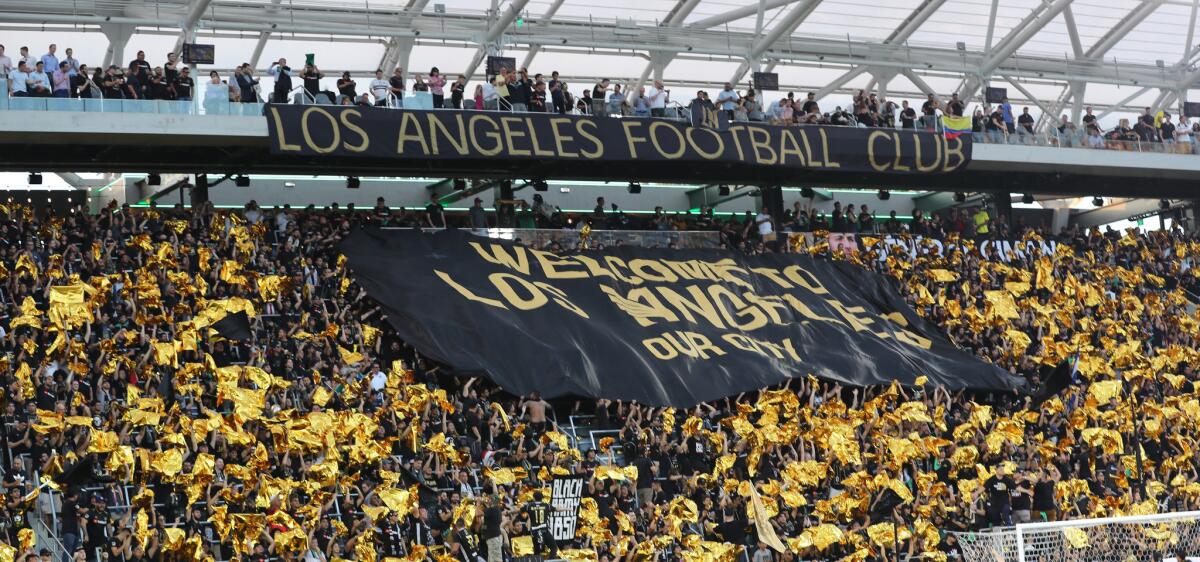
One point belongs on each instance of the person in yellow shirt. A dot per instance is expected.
(982, 221)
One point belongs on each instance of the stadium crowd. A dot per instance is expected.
(173, 432)
(513, 89)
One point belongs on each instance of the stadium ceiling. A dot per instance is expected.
(1055, 48)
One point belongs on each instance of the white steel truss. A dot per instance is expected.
(400, 26)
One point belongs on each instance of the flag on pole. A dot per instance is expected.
(955, 126)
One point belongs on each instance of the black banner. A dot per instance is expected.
(310, 130)
(565, 495)
(663, 327)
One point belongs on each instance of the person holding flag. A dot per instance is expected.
(955, 125)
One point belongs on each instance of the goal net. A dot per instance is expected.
(1149, 538)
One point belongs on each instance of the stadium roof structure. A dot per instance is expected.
(1055, 54)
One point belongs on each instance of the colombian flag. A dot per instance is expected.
(955, 126)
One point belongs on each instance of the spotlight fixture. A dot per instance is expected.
(352, 182)
(242, 181)
(807, 192)
(153, 179)
(1098, 201)
(1027, 198)
(1164, 204)
(35, 178)
(884, 195)
(539, 185)
(960, 197)
(722, 190)
(635, 187)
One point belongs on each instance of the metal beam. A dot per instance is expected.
(493, 32)
(790, 22)
(397, 46)
(840, 81)
(918, 82)
(1119, 31)
(446, 194)
(991, 28)
(914, 21)
(1073, 32)
(736, 14)
(1020, 88)
(195, 10)
(533, 51)
(1027, 28)
(264, 36)
(1122, 103)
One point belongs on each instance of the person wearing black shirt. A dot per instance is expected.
(1025, 123)
(457, 90)
(157, 87)
(73, 513)
(311, 75)
(140, 67)
(810, 104)
(283, 81)
(599, 91)
(1166, 130)
(435, 213)
(929, 112)
(468, 544)
(396, 87)
(908, 116)
(997, 130)
(1088, 118)
(536, 514)
(537, 102)
(556, 94)
(493, 520)
(246, 83)
(954, 106)
(839, 220)
(391, 540)
(999, 505)
(347, 87)
(184, 85)
(1022, 500)
(519, 90)
(1044, 506)
(892, 224)
(134, 84)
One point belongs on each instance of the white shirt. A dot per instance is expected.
(764, 227)
(378, 381)
(281, 221)
(40, 78)
(379, 88)
(19, 81)
(657, 97)
(489, 92)
(5, 65)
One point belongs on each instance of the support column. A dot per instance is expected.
(118, 35)
(771, 200)
(1077, 110)
(200, 190)
(1060, 220)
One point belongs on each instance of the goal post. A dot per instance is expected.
(1142, 538)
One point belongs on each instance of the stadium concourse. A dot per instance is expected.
(188, 384)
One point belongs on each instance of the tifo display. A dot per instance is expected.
(196, 384)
